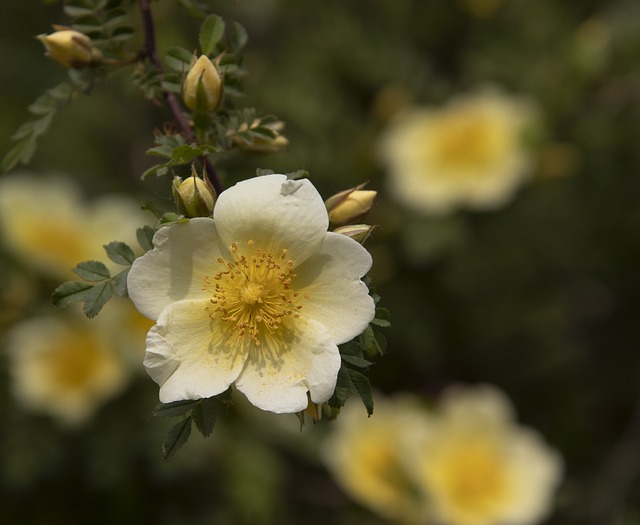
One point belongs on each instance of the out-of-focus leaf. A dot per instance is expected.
(210, 33)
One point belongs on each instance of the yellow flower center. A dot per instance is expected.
(468, 141)
(472, 478)
(253, 295)
(75, 361)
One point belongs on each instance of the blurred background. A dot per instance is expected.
(537, 293)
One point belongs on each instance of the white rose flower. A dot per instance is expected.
(259, 296)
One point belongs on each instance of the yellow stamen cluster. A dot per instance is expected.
(253, 294)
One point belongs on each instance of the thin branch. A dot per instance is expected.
(172, 101)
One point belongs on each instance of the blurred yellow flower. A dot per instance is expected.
(365, 456)
(477, 467)
(64, 366)
(468, 153)
(46, 223)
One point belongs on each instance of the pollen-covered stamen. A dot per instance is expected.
(253, 294)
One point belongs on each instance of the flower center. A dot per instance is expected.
(473, 477)
(468, 141)
(253, 295)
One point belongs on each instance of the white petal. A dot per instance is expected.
(274, 212)
(338, 299)
(187, 354)
(175, 269)
(279, 373)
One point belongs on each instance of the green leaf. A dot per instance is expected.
(119, 282)
(178, 59)
(383, 318)
(150, 206)
(381, 342)
(13, 156)
(121, 34)
(76, 11)
(356, 361)
(42, 105)
(145, 237)
(177, 408)
(204, 416)
(92, 271)
(96, 298)
(363, 387)
(351, 348)
(343, 389)
(120, 253)
(210, 33)
(70, 292)
(239, 37)
(177, 436)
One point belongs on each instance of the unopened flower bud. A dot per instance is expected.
(71, 48)
(358, 232)
(350, 205)
(202, 88)
(193, 196)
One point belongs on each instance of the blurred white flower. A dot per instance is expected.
(46, 222)
(468, 153)
(65, 366)
(365, 456)
(476, 466)
(259, 296)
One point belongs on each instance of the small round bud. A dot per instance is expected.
(350, 205)
(202, 88)
(193, 197)
(71, 49)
